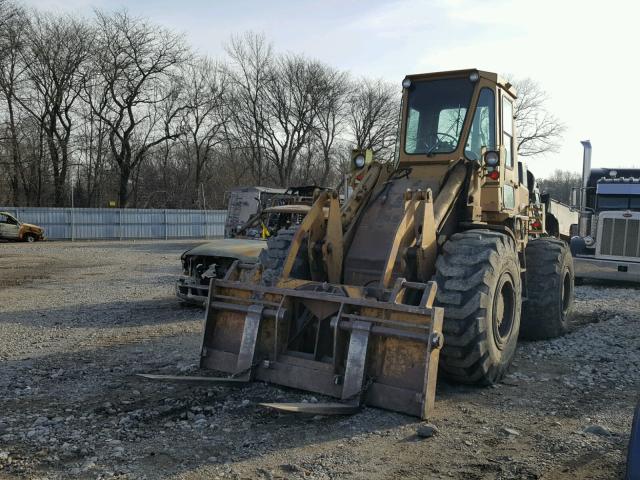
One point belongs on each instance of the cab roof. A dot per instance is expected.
(492, 77)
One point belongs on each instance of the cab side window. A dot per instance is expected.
(507, 130)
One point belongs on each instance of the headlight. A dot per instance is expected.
(359, 161)
(491, 158)
(589, 241)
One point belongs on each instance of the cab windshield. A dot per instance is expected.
(618, 202)
(436, 111)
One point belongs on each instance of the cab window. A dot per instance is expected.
(436, 111)
(483, 127)
(507, 130)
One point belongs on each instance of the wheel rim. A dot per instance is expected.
(30, 239)
(504, 310)
(566, 292)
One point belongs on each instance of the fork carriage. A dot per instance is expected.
(327, 339)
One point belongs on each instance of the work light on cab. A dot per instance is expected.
(491, 158)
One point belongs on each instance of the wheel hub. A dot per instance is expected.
(566, 292)
(503, 312)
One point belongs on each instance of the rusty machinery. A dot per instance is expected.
(430, 260)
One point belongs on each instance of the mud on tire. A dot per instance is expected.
(272, 258)
(479, 286)
(550, 289)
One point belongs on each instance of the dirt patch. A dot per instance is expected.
(16, 269)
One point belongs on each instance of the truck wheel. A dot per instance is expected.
(272, 258)
(549, 289)
(479, 286)
(30, 237)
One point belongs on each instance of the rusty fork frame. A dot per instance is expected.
(247, 332)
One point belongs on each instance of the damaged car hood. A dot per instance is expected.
(31, 227)
(242, 249)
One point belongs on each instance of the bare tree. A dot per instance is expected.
(251, 59)
(292, 102)
(55, 52)
(206, 95)
(152, 125)
(373, 116)
(559, 184)
(13, 24)
(539, 131)
(134, 64)
(93, 150)
(330, 118)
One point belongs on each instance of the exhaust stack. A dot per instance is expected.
(586, 171)
(586, 163)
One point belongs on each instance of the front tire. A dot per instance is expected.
(479, 286)
(30, 238)
(550, 289)
(273, 257)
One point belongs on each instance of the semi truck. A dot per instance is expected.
(608, 242)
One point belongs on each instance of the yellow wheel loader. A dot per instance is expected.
(428, 261)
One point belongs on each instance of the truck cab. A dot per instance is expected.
(608, 244)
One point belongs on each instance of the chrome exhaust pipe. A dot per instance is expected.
(586, 171)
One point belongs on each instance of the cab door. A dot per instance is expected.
(511, 176)
(9, 227)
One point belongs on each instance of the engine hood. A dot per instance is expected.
(242, 249)
(32, 228)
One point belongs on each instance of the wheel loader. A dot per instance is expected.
(428, 265)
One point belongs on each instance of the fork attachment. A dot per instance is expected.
(335, 340)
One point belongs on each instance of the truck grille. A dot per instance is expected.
(620, 237)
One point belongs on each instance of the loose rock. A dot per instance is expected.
(427, 430)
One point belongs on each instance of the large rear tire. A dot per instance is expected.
(273, 257)
(479, 286)
(550, 289)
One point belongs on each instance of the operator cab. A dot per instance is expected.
(465, 115)
(453, 114)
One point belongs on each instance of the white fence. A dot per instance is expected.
(122, 223)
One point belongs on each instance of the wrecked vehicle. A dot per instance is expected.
(243, 243)
(13, 229)
(244, 203)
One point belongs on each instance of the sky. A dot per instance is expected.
(583, 53)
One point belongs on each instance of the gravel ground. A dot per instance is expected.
(77, 321)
